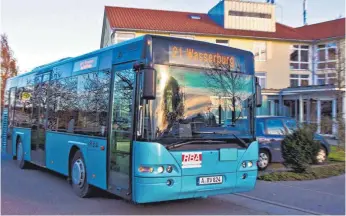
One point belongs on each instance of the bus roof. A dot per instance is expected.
(49, 66)
(45, 67)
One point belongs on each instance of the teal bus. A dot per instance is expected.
(144, 119)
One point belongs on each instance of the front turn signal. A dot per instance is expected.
(144, 169)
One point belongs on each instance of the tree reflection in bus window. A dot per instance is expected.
(79, 104)
(23, 108)
(121, 120)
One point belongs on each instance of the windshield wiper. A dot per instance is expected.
(176, 145)
(223, 133)
(241, 140)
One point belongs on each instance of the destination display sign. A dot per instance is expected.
(200, 58)
(85, 64)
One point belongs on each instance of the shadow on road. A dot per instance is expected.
(97, 193)
(37, 190)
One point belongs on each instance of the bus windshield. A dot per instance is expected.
(196, 103)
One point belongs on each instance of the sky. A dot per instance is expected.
(42, 31)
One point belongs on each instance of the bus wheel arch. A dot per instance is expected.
(73, 151)
(78, 174)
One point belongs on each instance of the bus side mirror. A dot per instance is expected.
(149, 84)
(258, 94)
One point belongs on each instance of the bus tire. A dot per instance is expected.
(264, 159)
(79, 176)
(22, 164)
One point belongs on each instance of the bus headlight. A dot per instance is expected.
(169, 169)
(243, 164)
(249, 164)
(160, 169)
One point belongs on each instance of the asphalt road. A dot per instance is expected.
(322, 196)
(38, 191)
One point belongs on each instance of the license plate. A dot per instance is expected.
(210, 180)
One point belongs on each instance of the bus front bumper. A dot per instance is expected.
(172, 188)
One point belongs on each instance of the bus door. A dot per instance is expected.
(121, 130)
(39, 119)
(11, 106)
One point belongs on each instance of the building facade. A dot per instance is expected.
(301, 70)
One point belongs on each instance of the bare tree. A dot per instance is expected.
(337, 68)
(62, 99)
(123, 89)
(340, 84)
(230, 83)
(95, 98)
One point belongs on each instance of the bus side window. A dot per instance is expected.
(62, 100)
(79, 104)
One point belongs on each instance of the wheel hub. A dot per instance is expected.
(263, 160)
(78, 173)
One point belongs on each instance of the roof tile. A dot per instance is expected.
(323, 30)
(180, 22)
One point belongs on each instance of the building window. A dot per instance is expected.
(262, 77)
(196, 17)
(222, 42)
(273, 107)
(183, 36)
(260, 51)
(299, 58)
(299, 80)
(328, 78)
(250, 14)
(326, 56)
(120, 37)
(321, 79)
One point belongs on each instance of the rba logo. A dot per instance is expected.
(191, 159)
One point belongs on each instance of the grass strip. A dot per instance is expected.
(317, 172)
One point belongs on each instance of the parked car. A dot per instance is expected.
(270, 132)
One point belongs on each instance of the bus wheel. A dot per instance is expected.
(263, 160)
(79, 176)
(22, 164)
